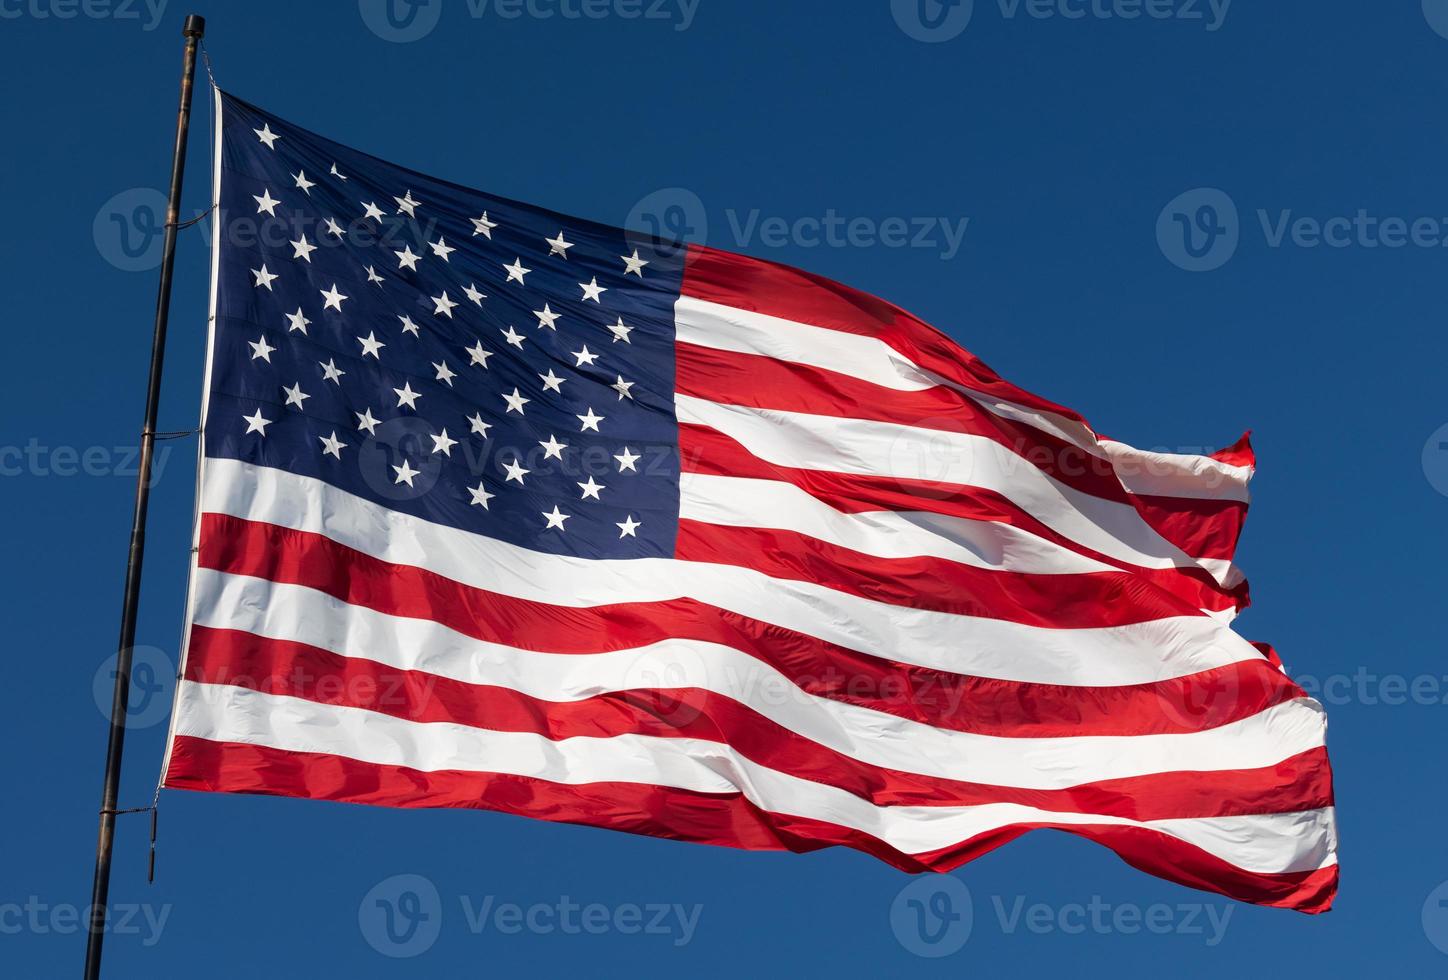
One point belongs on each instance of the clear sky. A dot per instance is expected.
(1014, 177)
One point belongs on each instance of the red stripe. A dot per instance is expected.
(982, 705)
(793, 294)
(283, 667)
(1203, 528)
(725, 819)
(1239, 453)
(1081, 600)
(704, 450)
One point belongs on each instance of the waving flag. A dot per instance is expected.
(505, 509)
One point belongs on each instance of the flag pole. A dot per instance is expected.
(193, 30)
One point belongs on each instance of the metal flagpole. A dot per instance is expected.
(194, 28)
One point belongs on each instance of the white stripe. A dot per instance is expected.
(298, 614)
(708, 324)
(1141, 471)
(744, 502)
(1182, 475)
(1138, 653)
(840, 445)
(1274, 843)
(705, 324)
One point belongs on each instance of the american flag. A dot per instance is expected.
(506, 509)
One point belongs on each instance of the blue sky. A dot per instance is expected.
(1010, 171)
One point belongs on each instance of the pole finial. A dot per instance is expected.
(195, 26)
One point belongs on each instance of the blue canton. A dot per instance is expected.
(455, 356)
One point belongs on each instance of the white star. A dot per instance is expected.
(303, 249)
(585, 356)
(476, 295)
(480, 496)
(408, 326)
(266, 203)
(366, 421)
(620, 331)
(479, 427)
(627, 527)
(330, 372)
(405, 473)
(297, 321)
(255, 423)
(546, 318)
(406, 396)
(516, 401)
(557, 246)
(590, 421)
(591, 290)
(479, 356)
(513, 337)
(553, 449)
(330, 225)
(515, 471)
(372, 275)
(482, 226)
(632, 263)
(263, 277)
(260, 348)
(590, 489)
(441, 248)
(551, 382)
(627, 459)
(442, 444)
(373, 211)
(332, 446)
(622, 387)
(267, 136)
(371, 345)
(443, 305)
(556, 518)
(295, 394)
(516, 271)
(405, 258)
(306, 185)
(337, 173)
(444, 373)
(333, 297)
(405, 204)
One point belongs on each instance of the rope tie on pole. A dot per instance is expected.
(154, 810)
(190, 221)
